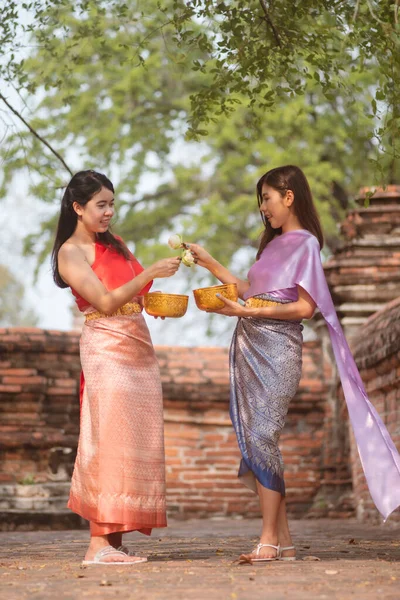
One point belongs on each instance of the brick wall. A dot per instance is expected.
(377, 354)
(39, 414)
(39, 373)
(201, 448)
(334, 498)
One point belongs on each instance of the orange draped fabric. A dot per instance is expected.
(118, 482)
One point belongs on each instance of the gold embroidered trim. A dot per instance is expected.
(259, 303)
(127, 309)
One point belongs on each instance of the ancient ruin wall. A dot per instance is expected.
(377, 354)
(39, 417)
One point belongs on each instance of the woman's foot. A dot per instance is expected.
(287, 553)
(109, 555)
(101, 551)
(263, 552)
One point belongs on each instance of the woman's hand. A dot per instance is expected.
(204, 259)
(165, 267)
(201, 256)
(232, 309)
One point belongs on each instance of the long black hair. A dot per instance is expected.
(82, 187)
(283, 179)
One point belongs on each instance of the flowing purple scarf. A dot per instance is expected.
(291, 259)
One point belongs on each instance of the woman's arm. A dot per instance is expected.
(303, 308)
(204, 259)
(77, 273)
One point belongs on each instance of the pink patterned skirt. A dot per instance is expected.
(118, 482)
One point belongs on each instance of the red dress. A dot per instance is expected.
(118, 482)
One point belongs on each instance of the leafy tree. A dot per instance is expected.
(12, 309)
(116, 84)
(262, 51)
(266, 51)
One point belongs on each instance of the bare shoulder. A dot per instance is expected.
(70, 252)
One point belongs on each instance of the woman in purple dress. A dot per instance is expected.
(284, 286)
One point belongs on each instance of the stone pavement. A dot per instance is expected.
(194, 560)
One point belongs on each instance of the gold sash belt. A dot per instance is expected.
(127, 309)
(259, 303)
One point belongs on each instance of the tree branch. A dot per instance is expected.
(270, 23)
(35, 133)
(356, 10)
(160, 28)
(373, 15)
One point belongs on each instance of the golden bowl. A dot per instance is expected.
(158, 304)
(206, 298)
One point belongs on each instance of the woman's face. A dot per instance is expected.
(275, 208)
(98, 212)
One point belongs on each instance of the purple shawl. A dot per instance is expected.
(291, 259)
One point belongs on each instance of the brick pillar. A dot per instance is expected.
(363, 274)
(377, 354)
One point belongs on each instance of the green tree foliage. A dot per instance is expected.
(12, 309)
(269, 51)
(100, 106)
(113, 86)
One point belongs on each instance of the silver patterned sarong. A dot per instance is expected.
(265, 371)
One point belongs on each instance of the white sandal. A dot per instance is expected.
(287, 558)
(262, 559)
(106, 552)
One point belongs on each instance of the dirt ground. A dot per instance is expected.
(195, 560)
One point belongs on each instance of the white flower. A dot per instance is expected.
(188, 258)
(175, 241)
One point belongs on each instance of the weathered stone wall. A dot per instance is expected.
(201, 448)
(39, 409)
(363, 275)
(377, 354)
(39, 373)
(335, 497)
(364, 272)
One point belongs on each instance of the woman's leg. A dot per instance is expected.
(275, 527)
(97, 542)
(270, 502)
(284, 537)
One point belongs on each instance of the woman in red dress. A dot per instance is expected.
(118, 482)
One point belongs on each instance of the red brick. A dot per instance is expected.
(59, 391)
(214, 437)
(65, 382)
(174, 461)
(34, 380)
(177, 485)
(18, 372)
(8, 337)
(171, 451)
(10, 388)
